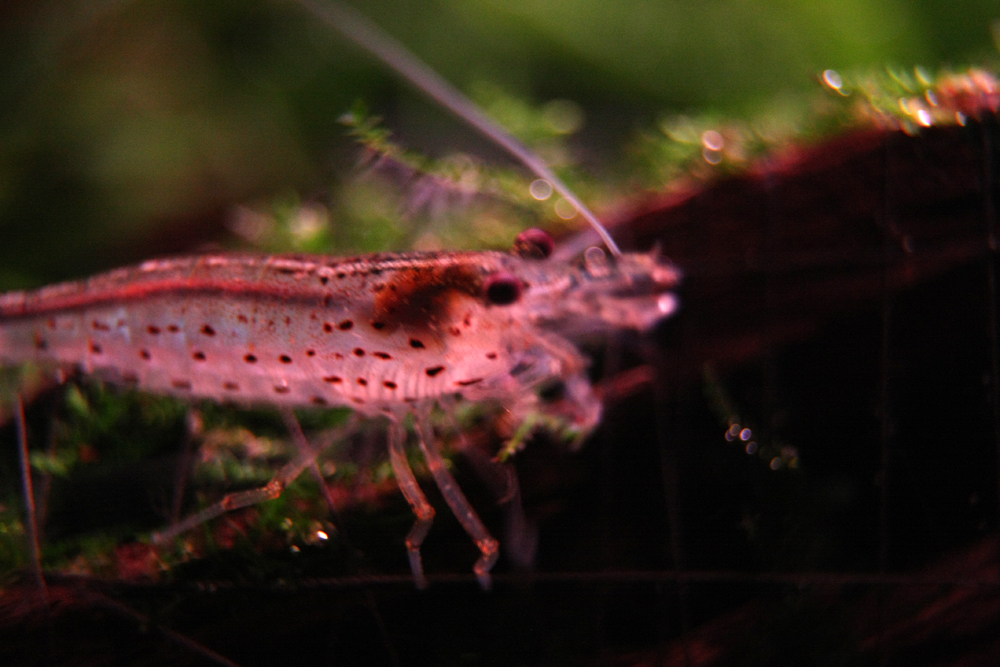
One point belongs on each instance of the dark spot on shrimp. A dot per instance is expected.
(323, 280)
(173, 328)
(467, 383)
(503, 289)
(382, 355)
(454, 331)
(363, 382)
(230, 386)
(491, 355)
(153, 330)
(359, 401)
(242, 318)
(378, 326)
(346, 325)
(327, 327)
(319, 400)
(250, 359)
(198, 356)
(389, 384)
(281, 389)
(434, 370)
(338, 356)
(100, 326)
(416, 344)
(41, 343)
(310, 353)
(285, 359)
(333, 379)
(341, 275)
(95, 348)
(208, 330)
(50, 323)
(358, 352)
(181, 384)
(145, 355)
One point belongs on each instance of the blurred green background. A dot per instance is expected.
(130, 129)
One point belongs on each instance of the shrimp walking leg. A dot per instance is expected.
(194, 428)
(31, 520)
(414, 496)
(457, 502)
(302, 445)
(304, 458)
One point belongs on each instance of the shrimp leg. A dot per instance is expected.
(305, 458)
(457, 501)
(414, 496)
(31, 519)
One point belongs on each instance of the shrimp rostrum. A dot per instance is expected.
(387, 335)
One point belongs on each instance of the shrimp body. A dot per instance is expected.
(373, 333)
(388, 334)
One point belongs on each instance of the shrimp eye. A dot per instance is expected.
(503, 289)
(534, 244)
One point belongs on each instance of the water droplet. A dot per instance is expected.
(321, 535)
(565, 210)
(751, 447)
(745, 434)
(540, 189)
(711, 157)
(712, 140)
(833, 79)
(924, 118)
(775, 463)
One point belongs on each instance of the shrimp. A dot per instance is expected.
(387, 334)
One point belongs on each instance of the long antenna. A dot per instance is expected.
(397, 57)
